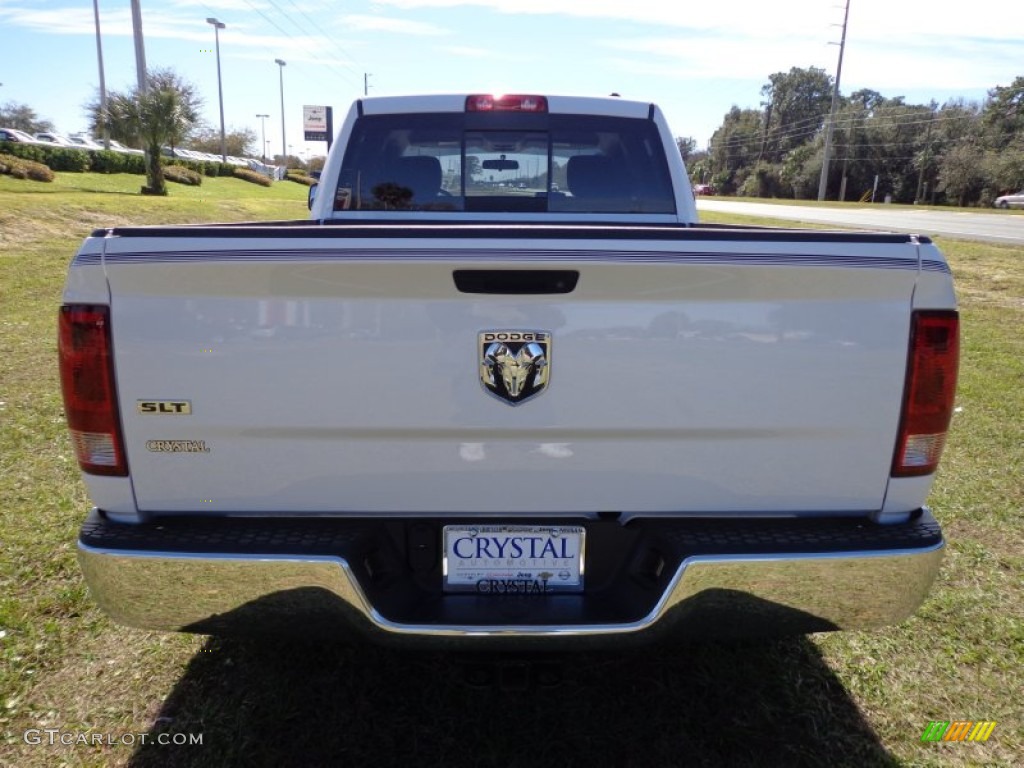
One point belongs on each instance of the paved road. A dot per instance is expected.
(991, 227)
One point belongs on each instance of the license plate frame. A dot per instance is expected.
(538, 567)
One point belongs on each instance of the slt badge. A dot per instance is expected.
(515, 366)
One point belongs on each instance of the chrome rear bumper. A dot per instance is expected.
(653, 579)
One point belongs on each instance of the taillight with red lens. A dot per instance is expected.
(507, 103)
(90, 396)
(928, 392)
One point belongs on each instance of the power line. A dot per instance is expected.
(814, 124)
(873, 122)
(326, 39)
(287, 34)
(870, 123)
(327, 62)
(882, 144)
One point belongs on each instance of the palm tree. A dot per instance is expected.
(162, 115)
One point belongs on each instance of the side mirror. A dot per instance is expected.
(312, 196)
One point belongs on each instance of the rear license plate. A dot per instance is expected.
(513, 559)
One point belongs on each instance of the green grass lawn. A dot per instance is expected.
(859, 698)
(114, 199)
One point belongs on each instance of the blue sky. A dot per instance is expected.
(696, 60)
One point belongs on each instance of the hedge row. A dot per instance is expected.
(301, 178)
(24, 169)
(183, 175)
(105, 161)
(109, 161)
(55, 158)
(253, 176)
(206, 168)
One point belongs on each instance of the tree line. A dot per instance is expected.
(960, 153)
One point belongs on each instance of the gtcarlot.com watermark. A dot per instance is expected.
(55, 736)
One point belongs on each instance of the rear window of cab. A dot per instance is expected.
(502, 162)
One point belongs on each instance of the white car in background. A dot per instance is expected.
(49, 137)
(19, 137)
(1016, 200)
(84, 142)
(117, 146)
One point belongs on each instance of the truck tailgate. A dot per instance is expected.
(339, 373)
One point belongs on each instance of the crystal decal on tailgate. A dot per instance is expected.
(177, 446)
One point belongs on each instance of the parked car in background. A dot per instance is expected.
(50, 137)
(18, 137)
(84, 142)
(1016, 200)
(703, 189)
(117, 146)
(176, 152)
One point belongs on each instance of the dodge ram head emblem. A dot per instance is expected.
(515, 365)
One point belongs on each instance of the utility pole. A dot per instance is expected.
(217, 27)
(263, 135)
(851, 144)
(823, 183)
(924, 160)
(366, 83)
(284, 154)
(103, 82)
(140, 48)
(764, 133)
(846, 160)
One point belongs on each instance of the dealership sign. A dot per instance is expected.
(317, 123)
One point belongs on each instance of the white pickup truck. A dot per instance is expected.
(504, 387)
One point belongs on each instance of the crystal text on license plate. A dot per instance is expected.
(509, 560)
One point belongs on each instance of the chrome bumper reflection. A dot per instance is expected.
(708, 595)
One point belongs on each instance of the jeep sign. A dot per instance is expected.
(316, 123)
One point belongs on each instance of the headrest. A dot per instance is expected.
(421, 173)
(593, 176)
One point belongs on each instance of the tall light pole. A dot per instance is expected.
(823, 182)
(103, 82)
(263, 135)
(280, 63)
(140, 48)
(217, 27)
